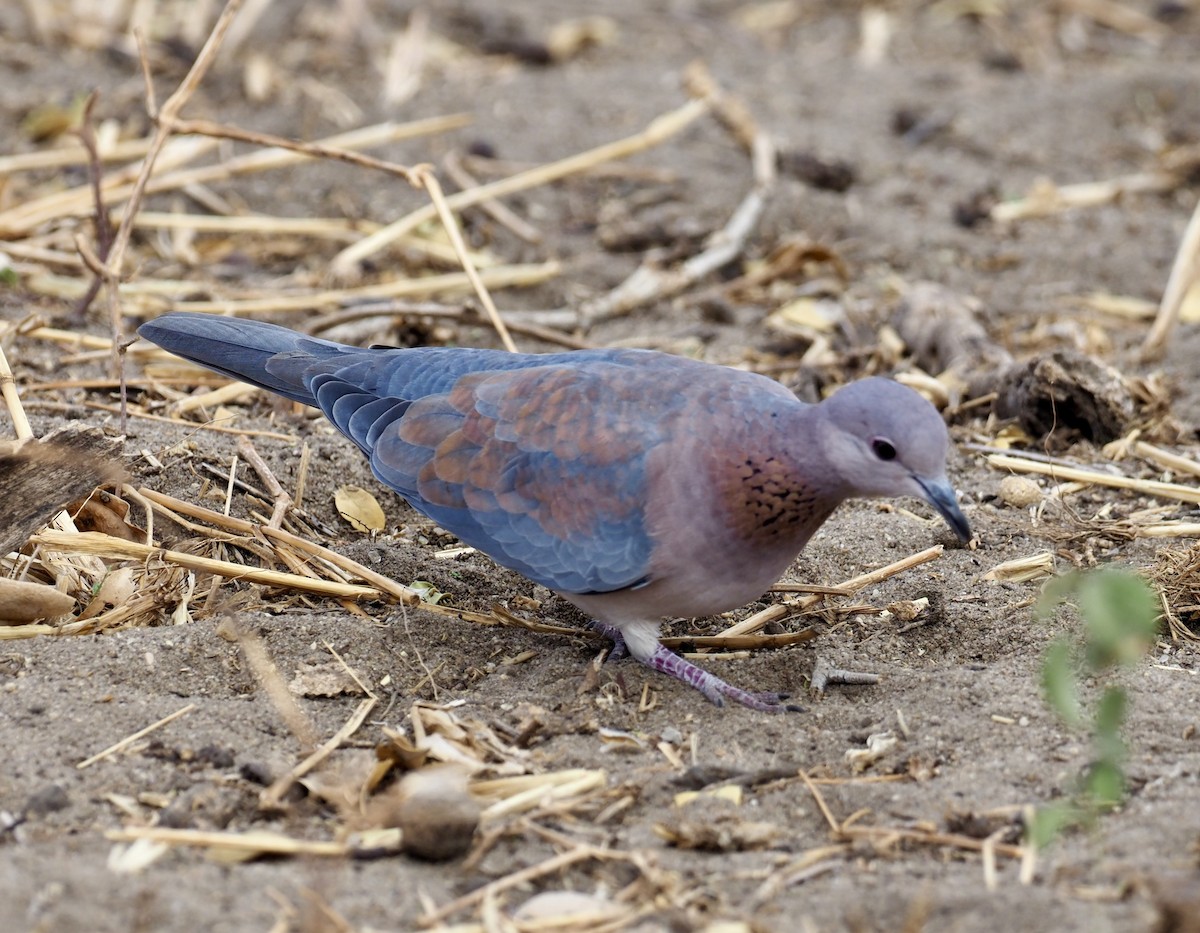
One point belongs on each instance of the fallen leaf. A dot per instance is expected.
(359, 508)
(804, 316)
(565, 907)
(116, 589)
(104, 512)
(878, 745)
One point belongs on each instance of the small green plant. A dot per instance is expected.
(1120, 620)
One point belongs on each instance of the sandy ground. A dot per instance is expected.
(1031, 94)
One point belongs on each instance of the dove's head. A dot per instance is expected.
(887, 440)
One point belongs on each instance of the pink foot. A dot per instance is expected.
(714, 687)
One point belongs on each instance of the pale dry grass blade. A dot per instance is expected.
(130, 739)
(1079, 474)
(102, 545)
(1184, 272)
(12, 400)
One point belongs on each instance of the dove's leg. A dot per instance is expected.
(641, 640)
(712, 686)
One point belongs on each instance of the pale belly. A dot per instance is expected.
(695, 580)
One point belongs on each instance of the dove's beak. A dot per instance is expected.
(940, 494)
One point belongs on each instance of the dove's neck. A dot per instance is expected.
(777, 494)
(736, 508)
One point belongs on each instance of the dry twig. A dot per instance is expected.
(847, 830)
(346, 262)
(270, 798)
(853, 585)
(650, 282)
(283, 501)
(430, 183)
(1147, 487)
(497, 210)
(117, 187)
(103, 545)
(391, 588)
(130, 739)
(262, 842)
(12, 400)
(1184, 272)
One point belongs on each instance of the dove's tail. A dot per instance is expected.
(265, 355)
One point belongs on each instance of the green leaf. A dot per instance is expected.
(1051, 821)
(1119, 611)
(1105, 785)
(427, 591)
(1060, 683)
(1056, 591)
(1121, 615)
(1110, 711)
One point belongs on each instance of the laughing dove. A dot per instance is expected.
(635, 484)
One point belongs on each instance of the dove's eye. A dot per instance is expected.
(883, 449)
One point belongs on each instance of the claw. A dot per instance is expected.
(611, 632)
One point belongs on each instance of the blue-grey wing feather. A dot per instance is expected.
(538, 492)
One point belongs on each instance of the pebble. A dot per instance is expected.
(436, 813)
(1020, 491)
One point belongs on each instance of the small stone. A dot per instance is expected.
(176, 817)
(553, 907)
(1020, 491)
(50, 798)
(215, 756)
(435, 811)
(256, 773)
